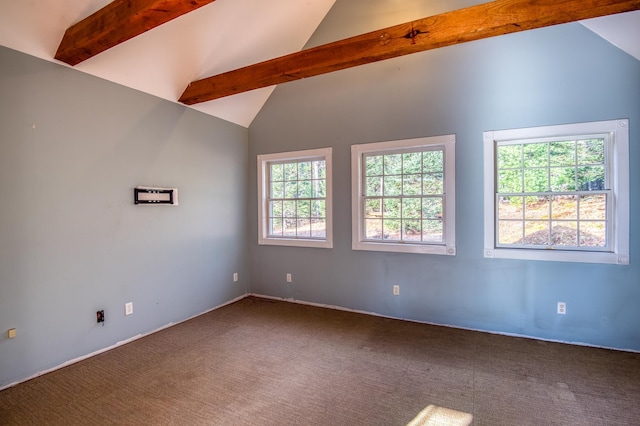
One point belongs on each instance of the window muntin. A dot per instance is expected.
(558, 193)
(295, 198)
(553, 194)
(403, 198)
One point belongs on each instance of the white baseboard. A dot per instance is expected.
(524, 336)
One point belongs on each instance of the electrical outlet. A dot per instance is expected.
(128, 308)
(396, 290)
(562, 308)
(235, 277)
(11, 333)
(100, 316)
(288, 278)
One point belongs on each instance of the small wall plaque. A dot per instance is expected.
(149, 195)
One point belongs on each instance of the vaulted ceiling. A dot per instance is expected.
(217, 37)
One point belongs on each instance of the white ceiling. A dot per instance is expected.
(622, 30)
(219, 37)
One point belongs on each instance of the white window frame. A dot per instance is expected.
(618, 172)
(263, 195)
(447, 246)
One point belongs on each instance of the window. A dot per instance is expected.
(404, 196)
(558, 193)
(294, 198)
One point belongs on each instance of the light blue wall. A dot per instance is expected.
(72, 148)
(557, 75)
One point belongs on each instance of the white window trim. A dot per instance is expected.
(619, 131)
(263, 191)
(448, 247)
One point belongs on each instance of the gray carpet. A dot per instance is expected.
(262, 362)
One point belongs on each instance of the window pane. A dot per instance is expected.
(432, 161)
(593, 207)
(275, 227)
(510, 232)
(304, 228)
(290, 227)
(391, 229)
(562, 153)
(432, 208)
(393, 164)
(536, 155)
(536, 233)
(510, 181)
(277, 172)
(591, 151)
(304, 189)
(411, 230)
(318, 209)
(373, 208)
(318, 228)
(412, 185)
(510, 207)
(432, 231)
(433, 183)
(374, 186)
(289, 208)
(411, 208)
(391, 208)
(319, 169)
(392, 185)
(593, 234)
(563, 179)
(373, 229)
(304, 170)
(373, 165)
(591, 178)
(509, 156)
(537, 208)
(304, 209)
(564, 207)
(412, 162)
(277, 190)
(291, 171)
(564, 234)
(275, 208)
(318, 188)
(536, 180)
(291, 189)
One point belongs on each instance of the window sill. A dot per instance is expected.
(557, 255)
(404, 248)
(295, 242)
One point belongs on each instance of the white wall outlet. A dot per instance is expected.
(288, 278)
(128, 308)
(235, 277)
(562, 308)
(396, 290)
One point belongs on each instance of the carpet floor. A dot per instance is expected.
(265, 362)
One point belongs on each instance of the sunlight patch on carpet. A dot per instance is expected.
(433, 415)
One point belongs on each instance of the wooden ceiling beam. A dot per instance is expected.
(118, 22)
(459, 26)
